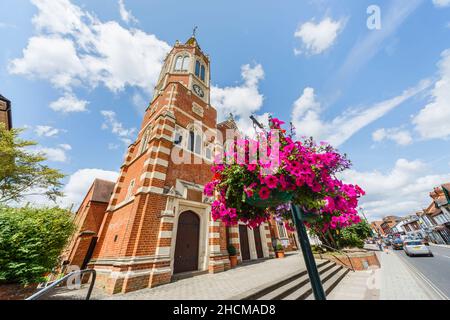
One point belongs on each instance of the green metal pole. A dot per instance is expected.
(311, 266)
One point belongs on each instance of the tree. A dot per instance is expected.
(355, 235)
(22, 171)
(31, 241)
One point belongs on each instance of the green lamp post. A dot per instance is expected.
(299, 217)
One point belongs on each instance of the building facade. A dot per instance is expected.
(5, 112)
(376, 227)
(388, 223)
(157, 224)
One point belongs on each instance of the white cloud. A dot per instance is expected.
(46, 131)
(50, 58)
(399, 136)
(125, 14)
(66, 146)
(54, 154)
(433, 120)
(318, 37)
(117, 128)
(401, 191)
(79, 183)
(441, 3)
(74, 48)
(242, 100)
(306, 116)
(69, 103)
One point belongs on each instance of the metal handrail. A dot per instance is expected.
(348, 257)
(44, 291)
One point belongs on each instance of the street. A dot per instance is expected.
(434, 270)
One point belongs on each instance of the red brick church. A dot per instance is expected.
(154, 223)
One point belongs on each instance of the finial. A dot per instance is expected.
(194, 32)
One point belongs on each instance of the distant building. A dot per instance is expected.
(5, 112)
(438, 213)
(88, 219)
(388, 223)
(376, 226)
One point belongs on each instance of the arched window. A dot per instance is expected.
(197, 68)
(195, 141)
(178, 63)
(186, 61)
(209, 152)
(144, 141)
(182, 63)
(202, 74)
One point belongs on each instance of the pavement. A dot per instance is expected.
(397, 279)
(219, 286)
(356, 286)
(224, 285)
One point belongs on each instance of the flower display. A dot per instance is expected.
(265, 176)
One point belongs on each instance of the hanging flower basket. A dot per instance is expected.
(275, 199)
(285, 171)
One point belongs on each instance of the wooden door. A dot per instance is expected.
(243, 238)
(258, 244)
(187, 243)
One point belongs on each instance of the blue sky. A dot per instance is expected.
(80, 74)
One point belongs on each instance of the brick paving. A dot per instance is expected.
(221, 286)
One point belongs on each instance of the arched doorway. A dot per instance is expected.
(187, 243)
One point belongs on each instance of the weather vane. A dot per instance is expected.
(194, 32)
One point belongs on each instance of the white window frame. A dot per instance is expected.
(281, 227)
(185, 58)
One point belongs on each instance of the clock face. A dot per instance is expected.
(198, 90)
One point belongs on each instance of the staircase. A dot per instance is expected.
(298, 287)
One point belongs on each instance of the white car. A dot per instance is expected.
(416, 248)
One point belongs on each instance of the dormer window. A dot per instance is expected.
(182, 63)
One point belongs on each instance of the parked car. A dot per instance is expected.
(397, 244)
(416, 248)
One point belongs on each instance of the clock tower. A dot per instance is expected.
(158, 223)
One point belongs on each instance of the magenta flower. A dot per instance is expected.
(271, 181)
(264, 193)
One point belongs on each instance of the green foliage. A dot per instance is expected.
(232, 250)
(355, 235)
(279, 247)
(31, 241)
(22, 171)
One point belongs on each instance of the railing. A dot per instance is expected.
(341, 252)
(52, 286)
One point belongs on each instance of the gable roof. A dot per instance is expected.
(102, 190)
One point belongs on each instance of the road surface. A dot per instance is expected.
(434, 270)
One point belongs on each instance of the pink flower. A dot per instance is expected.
(251, 167)
(277, 123)
(264, 193)
(249, 191)
(271, 181)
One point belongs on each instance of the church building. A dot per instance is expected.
(157, 224)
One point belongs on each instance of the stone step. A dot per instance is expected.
(265, 289)
(288, 288)
(329, 285)
(305, 291)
